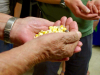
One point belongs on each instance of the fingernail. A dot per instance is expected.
(88, 11)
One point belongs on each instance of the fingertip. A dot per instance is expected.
(77, 49)
(63, 20)
(79, 34)
(80, 44)
(57, 23)
(95, 10)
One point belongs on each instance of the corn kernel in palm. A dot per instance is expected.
(60, 31)
(40, 34)
(61, 27)
(36, 35)
(51, 27)
(64, 29)
(45, 32)
(49, 31)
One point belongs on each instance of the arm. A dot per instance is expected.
(95, 23)
(44, 48)
(19, 59)
(17, 10)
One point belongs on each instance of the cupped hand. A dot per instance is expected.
(94, 7)
(55, 46)
(71, 27)
(25, 29)
(80, 10)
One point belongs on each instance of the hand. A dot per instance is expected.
(94, 6)
(57, 48)
(80, 10)
(72, 27)
(25, 29)
(97, 4)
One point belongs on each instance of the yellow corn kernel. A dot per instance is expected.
(64, 29)
(52, 29)
(40, 33)
(45, 32)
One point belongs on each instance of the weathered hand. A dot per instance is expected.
(80, 10)
(54, 46)
(72, 27)
(25, 29)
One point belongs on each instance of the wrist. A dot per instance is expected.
(3, 20)
(8, 28)
(67, 2)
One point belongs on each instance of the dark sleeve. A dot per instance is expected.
(20, 1)
(33, 0)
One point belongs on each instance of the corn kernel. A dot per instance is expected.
(52, 29)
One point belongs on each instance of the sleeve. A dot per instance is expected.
(33, 0)
(20, 1)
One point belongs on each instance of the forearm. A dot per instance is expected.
(3, 20)
(17, 10)
(19, 59)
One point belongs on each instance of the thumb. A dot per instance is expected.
(71, 37)
(84, 8)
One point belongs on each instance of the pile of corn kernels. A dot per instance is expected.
(52, 29)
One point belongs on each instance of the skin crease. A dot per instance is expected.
(30, 55)
(28, 26)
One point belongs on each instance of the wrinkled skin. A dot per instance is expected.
(25, 29)
(43, 48)
(28, 27)
(49, 47)
(54, 49)
(80, 10)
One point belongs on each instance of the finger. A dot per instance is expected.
(77, 49)
(63, 20)
(69, 20)
(70, 48)
(71, 37)
(99, 12)
(83, 8)
(95, 10)
(57, 23)
(85, 16)
(90, 7)
(88, 16)
(79, 44)
(97, 4)
(73, 26)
